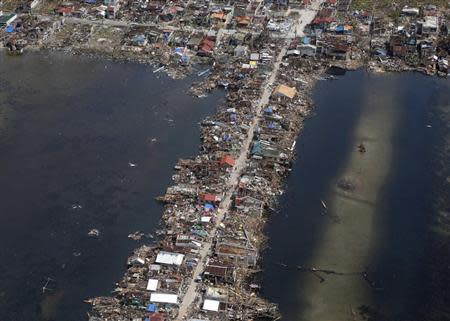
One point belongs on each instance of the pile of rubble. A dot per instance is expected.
(201, 227)
(203, 263)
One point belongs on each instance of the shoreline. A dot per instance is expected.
(226, 205)
(203, 262)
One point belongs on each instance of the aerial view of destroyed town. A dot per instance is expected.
(224, 160)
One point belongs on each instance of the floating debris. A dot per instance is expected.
(94, 232)
(361, 148)
(136, 235)
(159, 69)
(204, 72)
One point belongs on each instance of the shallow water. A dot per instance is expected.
(374, 231)
(69, 127)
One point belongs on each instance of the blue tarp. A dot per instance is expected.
(179, 50)
(151, 307)
(256, 148)
(90, 1)
(271, 125)
(166, 35)
(268, 110)
(140, 39)
(184, 59)
(226, 138)
(340, 29)
(209, 206)
(306, 40)
(9, 29)
(380, 52)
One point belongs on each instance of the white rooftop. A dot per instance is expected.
(152, 284)
(164, 298)
(211, 305)
(169, 258)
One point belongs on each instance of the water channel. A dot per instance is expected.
(366, 216)
(71, 131)
(87, 143)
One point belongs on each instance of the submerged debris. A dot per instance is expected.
(267, 56)
(361, 148)
(136, 235)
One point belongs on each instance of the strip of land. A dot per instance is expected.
(201, 265)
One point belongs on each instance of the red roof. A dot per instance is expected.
(206, 45)
(157, 317)
(322, 20)
(227, 160)
(206, 197)
(325, 12)
(243, 20)
(64, 10)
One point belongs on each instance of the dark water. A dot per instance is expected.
(403, 120)
(69, 127)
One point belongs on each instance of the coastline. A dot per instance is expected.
(224, 192)
(203, 261)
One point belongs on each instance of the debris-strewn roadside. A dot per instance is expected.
(177, 35)
(202, 265)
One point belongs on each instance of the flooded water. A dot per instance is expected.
(369, 219)
(84, 144)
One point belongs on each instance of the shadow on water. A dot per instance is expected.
(402, 254)
(437, 291)
(404, 269)
(400, 220)
(70, 130)
(295, 229)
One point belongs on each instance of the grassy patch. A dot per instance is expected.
(383, 4)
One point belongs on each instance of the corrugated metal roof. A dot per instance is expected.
(169, 258)
(164, 298)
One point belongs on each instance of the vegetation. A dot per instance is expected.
(383, 4)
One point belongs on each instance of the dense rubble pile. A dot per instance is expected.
(158, 277)
(241, 43)
(179, 34)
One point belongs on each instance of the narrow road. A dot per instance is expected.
(230, 188)
(305, 17)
